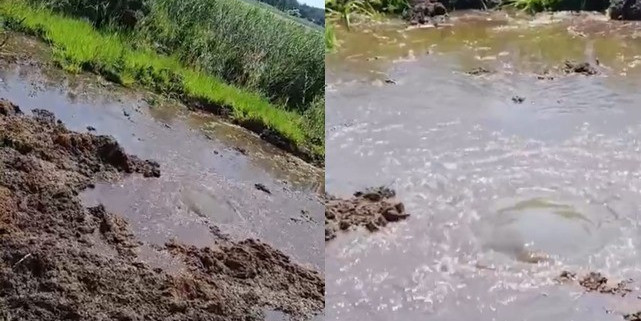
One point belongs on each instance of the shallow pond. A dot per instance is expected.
(504, 195)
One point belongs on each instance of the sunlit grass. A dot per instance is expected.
(242, 43)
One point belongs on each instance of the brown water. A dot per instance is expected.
(206, 180)
(504, 196)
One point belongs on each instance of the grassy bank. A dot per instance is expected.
(237, 41)
(77, 45)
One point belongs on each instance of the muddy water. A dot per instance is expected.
(504, 196)
(209, 168)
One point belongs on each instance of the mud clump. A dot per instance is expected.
(422, 11)
(60, 260)
(583, 68)
(595, 282)
(625, 10)
(633, 316)
(373, 208)
(518, 99)
(478, 71)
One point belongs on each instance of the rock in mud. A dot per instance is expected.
(595, 282)
(390, 81)
(422, 11)
(625, 10)
(372, 209)
(584, 68)
(262, 188)
(633, 316)
(518, 99)
(62, 261)
(478, 71)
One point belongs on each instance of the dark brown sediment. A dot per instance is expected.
(373, 209)
(63, 261)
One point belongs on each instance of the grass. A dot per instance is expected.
(330, 38)
(344, 10)
(243, 43)
(77, 46)
(284, 15)
(532, 6)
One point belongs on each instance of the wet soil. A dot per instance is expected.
(596, 282)
(625, 10)
(373, 208)
(207, 189)
(60, 260)
(584, 68)
(423, 11)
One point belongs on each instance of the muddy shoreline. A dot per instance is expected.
(63, 261)
(431, 11)
(223, 112)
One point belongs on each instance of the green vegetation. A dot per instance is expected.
(215, 49)
(289, 14)
(293, 7)
(330, 38)
(232, 39)
(344, 10)
(533, 6)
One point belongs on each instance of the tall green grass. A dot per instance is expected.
(77, 45)
(242, 43)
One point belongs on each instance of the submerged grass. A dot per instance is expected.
(77, 45)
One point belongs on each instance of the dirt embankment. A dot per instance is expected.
(372, 208)
(62, 261)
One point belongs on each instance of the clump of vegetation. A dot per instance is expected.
(330, 38)
(314, 125)
(77, 45)
(344, 10)
(534, 6)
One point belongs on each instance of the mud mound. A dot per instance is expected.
(62, 261)
(372, 208)
(595, 282)
(584, 68)
(478, 71)
(625, 10)
(422, 11)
